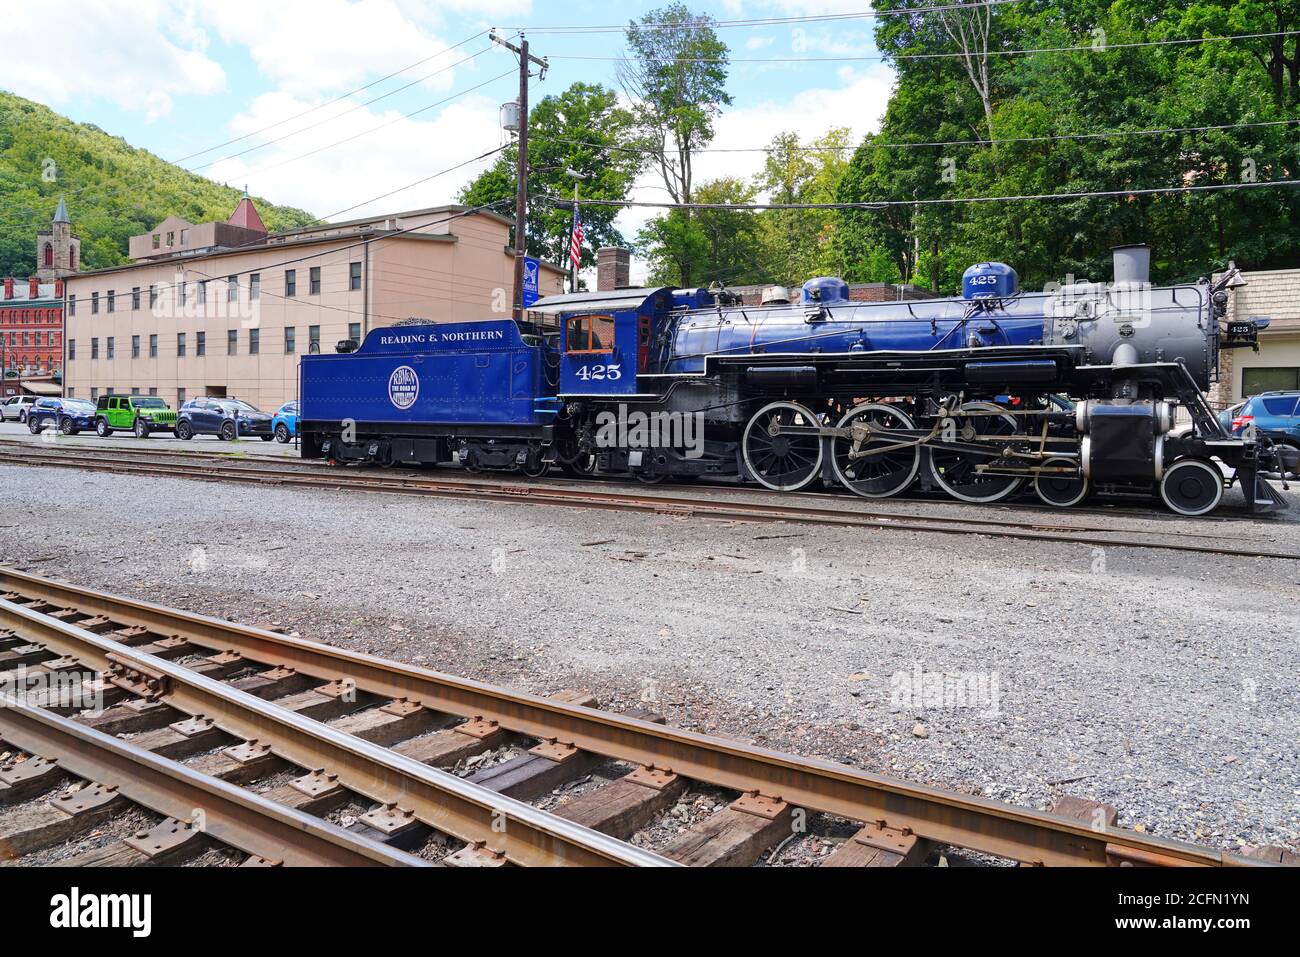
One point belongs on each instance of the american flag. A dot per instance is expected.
(575, 245)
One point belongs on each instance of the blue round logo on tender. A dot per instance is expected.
(403, 387)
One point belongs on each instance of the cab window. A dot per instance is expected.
(589, 334)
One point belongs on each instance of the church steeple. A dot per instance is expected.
(58, 251)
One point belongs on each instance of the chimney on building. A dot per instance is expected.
(613, 267)
(58, 289)
(9, 288)
(33, 288)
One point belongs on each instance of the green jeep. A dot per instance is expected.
(141, 414)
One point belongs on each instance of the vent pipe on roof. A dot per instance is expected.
(1132, 263)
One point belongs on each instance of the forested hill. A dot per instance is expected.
(114, 191)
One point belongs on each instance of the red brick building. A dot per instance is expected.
(31, 314)
(31, 331)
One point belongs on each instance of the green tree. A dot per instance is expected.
(676, 77)
(798, 243)
(581, 129)
(710, 245)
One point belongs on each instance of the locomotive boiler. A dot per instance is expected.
(1071, 389)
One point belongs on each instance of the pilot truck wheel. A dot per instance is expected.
(1192, 487)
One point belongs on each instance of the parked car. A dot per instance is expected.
(69, 416)
(141, 414)
(227, 419)
(285, 422)
(15, 409)
(1275, 414)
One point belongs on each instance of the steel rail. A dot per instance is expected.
(618, 501)
(945, 817)
(271, 466)
(522, 833)
(231, 815)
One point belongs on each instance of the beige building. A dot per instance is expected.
(225, 309)
(1274, 294)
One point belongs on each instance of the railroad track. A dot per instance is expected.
(678, 506)
(258, 736)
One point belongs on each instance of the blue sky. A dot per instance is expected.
(180, 76)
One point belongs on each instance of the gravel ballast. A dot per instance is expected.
(1162, 683)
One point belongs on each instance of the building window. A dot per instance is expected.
(72, 305)
(354, 331)
(291, 282)
(185, 237)
(94, 392)
(180, 294)
(109, 341)
(135, 390)
(254, 341)
(135, 298)
(354, 276)
(112, 301)
(72, 349)
(290, 340)
(313, 339)
(94, 347)
(232, 289)
(135, 347)
(153, 297)
(157, 240)
(1269, 379)
(153, 347)
(180, 345)
(153, 390)
(315, 280)
(49, 255)
(202, 292)
(171, 240)
(232, 342)
(94, 303)
(25, 335)
(180, 398)
(72, 258)
(200, 343)
(255, 286)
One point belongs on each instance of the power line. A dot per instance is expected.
(999, 142)
(376, 129)
(1090, 48)
(882, 204)
(767, 21)
(337, 99)
(337, 116)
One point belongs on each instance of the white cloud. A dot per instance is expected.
(375, 162)
(309, 47)
(137, 53)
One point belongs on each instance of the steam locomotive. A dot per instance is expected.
(1069, 390)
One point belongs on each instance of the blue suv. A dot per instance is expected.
(1275, 414)
(285, 422)
(227, 419)
(69, 416)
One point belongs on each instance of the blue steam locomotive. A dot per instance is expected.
(1067, 390)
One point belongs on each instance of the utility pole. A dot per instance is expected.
(521, 192)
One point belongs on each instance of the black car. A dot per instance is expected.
(69, 416)
(227, 419)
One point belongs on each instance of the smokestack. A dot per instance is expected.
(1132, 264)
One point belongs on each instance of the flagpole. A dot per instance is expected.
(573, 267)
